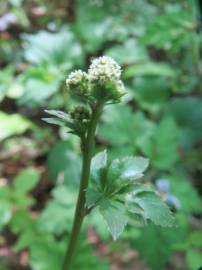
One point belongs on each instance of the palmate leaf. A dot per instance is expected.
(121, 197)
(154, 208)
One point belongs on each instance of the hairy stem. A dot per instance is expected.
(80, 212)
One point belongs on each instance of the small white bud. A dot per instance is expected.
(104, 69)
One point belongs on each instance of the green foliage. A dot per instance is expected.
(14, 124)
(115, 189)
(155, 243)
(15, 200)
(64, 164)
(158, 45)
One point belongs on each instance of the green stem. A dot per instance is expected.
(80, 207)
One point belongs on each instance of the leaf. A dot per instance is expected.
(98, 165)
(188, 196)
(151, 92)
(133, 167)
(155, 244)
(161, 147)
(149, 69)
(99, 161)
(26, 180)
(187, 112)
(64, 164)
(37, 90)
(54, 121)
(14, 124)
(114, 214)
(154, 208)
(121, 171)
(61, 207)
(62, 49)
(194, 259)
(5, 213)
(61, 118)
(21, 221)
(60, 114)
(129, 52)
(92, 197)
(124, 130)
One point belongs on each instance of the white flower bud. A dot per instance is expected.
(104, 69)
(76, 77)
(77, 83)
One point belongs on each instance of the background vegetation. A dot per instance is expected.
(158, 44)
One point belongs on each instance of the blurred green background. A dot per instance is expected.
(158, 45)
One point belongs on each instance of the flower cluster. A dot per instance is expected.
(77, 83)
(104, 69)
(101, 82)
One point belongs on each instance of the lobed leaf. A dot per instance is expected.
(115, 216)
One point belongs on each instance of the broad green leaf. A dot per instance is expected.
(154, 208)
(62, 49)
(36, 90)
(129, 52)
(151, 92)
(13, 124)
(114, 213)
(149, 69)
(21, 221)
(26, 180)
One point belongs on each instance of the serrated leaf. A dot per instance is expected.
(133, 167)
(129, 168)
(114, 214)
(154, 209)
